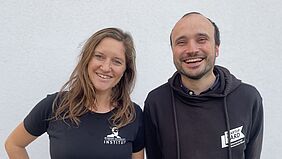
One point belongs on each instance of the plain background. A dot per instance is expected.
(40, 41)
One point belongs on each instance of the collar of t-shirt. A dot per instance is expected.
(215, 85)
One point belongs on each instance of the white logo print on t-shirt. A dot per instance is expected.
(114, 138)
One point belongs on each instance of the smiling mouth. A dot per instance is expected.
(103, 76)
(193, 60)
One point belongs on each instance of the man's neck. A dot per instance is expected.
(199, 85)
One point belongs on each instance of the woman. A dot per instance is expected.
(92, 116)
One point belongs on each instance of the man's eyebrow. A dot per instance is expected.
(202, 34)
(180, 38)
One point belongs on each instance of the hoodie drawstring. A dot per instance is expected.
(228, 128)
(175, 125)
(177, 130)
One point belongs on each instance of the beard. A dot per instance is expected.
(198, 73)
(194, 76)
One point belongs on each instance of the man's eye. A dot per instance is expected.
(180, 42)
(202, 40)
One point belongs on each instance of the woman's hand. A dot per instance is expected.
(138, 155)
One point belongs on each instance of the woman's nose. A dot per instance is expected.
(106, 65)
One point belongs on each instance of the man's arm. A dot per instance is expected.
(254, 146)
(152, 147)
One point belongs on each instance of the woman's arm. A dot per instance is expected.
(138, 155)
(17, 141)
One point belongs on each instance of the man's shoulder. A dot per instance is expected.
(159, 92)
(164, 88)
(248, 90)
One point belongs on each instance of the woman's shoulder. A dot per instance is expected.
(138, 112)
(47, 101)
(36, 122)
(137, 108)
(51, 96)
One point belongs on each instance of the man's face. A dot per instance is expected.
(193, 46)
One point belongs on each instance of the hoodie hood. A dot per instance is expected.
(228, 83)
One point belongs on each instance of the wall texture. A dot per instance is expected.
(40, 42)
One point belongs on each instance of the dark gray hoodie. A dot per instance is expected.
(179, 125)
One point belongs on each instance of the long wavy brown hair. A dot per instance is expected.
(78, 94)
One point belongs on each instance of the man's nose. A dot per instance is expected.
(192, 47)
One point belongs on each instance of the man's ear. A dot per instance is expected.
(216, 50)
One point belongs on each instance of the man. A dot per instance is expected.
(203, 111)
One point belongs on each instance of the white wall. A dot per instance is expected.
(40, 42)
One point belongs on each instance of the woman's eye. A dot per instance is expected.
(98, 56)
(117, 62)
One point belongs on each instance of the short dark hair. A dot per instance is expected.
(216, 30)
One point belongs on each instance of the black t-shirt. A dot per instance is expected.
(94, 138)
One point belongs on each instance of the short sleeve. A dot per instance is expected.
(36, 122)
(138, 143)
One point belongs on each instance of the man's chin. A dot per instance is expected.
(192, 76)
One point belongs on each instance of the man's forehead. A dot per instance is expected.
(194, 22)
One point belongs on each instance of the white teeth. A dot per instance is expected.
(104, 76)
(193, 60)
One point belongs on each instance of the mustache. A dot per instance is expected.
(193, 55)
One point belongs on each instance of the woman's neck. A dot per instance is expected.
(102, 103)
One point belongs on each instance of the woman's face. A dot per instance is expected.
(107, 65)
